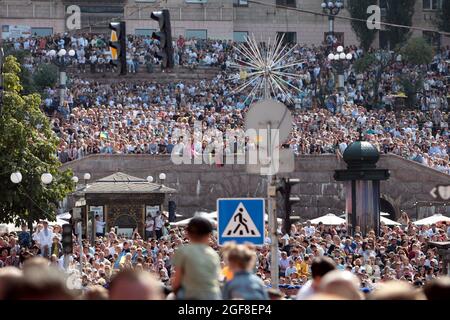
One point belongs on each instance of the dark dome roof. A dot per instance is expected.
(361, 154)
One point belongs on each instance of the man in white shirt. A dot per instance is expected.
(309, 229)
(45, 238)
(99, 226)
(159, 224)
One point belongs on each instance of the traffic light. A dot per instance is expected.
(118, 45)
(67, 240)
(165, 38)
(284, 187)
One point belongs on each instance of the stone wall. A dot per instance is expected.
(199, 186)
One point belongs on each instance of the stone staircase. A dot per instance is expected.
(186, 75)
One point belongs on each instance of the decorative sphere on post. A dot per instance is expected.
(331, 57)
(340, 49)
(162, 176)
(324, 5)
(52, 53)
(336, 56)
(342, 56)
(46, 178)
(349, 56)
(16, 177)
(75, 179)
(71, 52)
(87, 176)
(150, 179)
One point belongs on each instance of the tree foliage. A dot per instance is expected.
(27, 145)
(411, 87)
(45, 76)
(358, 10)
(399, 12)
(375, 63)
(34, 81)
(417, 51)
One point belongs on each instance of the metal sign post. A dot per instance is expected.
(269, 75)
(80, 243)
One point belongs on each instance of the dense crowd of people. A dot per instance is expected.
(315, 262)
(146, 117)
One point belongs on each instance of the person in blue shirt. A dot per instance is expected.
(244, 285)
(24, 237)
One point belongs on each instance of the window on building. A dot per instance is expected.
(289, 37)
(432, 4)
(240, 36)
(197, 33)
(144, 32)
(42, 32)
(287, 3)
(240, 3)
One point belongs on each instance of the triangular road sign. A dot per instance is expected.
(241, 225)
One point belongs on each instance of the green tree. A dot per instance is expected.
(27, 145)
(376, 63)
(45, 76)
(443, 17)
(411, 87)
(417, 51)
(399, 12)
(358, 10)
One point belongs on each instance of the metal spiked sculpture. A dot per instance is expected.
(268, 68)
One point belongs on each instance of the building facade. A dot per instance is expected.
(216, 19)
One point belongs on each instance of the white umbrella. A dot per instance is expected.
(389, 222)
(7, 228)
(213, 215)
(431, 220)
(65, 216)
(183, 223)
(329, 219)
(59, 222)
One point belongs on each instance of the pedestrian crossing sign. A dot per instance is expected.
(240, 220)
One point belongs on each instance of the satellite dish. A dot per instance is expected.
(269, 112)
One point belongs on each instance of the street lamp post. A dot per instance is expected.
(339, 58)
(16, 178)
(62, 60)
(332, 8)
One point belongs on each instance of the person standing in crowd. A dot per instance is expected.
(24, 237)
(319, 268)
(45, 239)
(197, 265)
(244, 285)
(99, 226)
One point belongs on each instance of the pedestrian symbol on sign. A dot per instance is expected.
(241, 224)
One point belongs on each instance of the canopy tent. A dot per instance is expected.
(213, 215)
(389, 222)
(183, 223)
(329, 219)
(431, 220)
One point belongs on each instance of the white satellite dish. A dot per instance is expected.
(269, 112)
